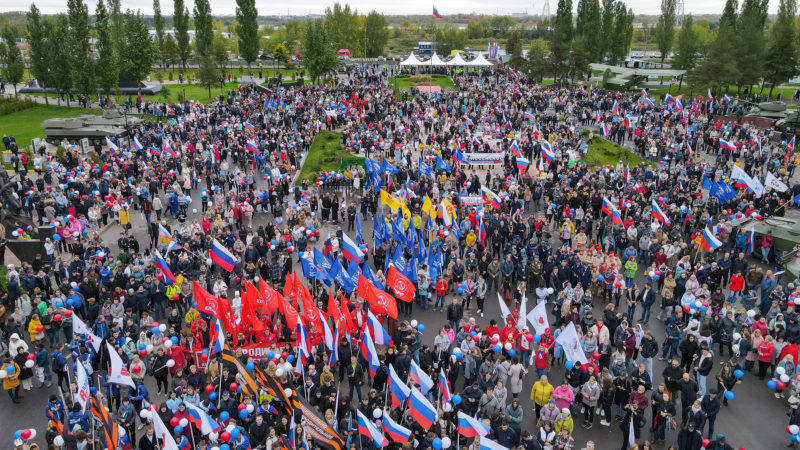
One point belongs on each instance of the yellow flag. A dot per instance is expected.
(427, 207)
(388, 200)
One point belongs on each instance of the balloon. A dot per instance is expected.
(250, 408)
(377, 413)
(212, 396)
(174, 340)
(446, 443)
(224, 416)
(244, 413)
(225, 436)
(184, 422)
(495, 340)
(596, 356)
(235, 433)
(569, 365)
(738, 373)
(421, 327)
(3, 374)
(171, 363)
(290, 358)
(224, 446)
(25, 434)
(780, 370)
(144, 414)
(178, 429)
(457, 399)
(174, 422)
(497, 348)
(537, 338)
(437, 444)
(781, 385)
(33, 433)
(149, 348)
(209, 389)
(512, 353)
(57, 317)
(772, 384)
(785, 378)
(706, 442)
(751, 313)
(600, 278)
(250, 366)
(414, 323)
(31, 357)
(234, 386)
(58, 440)
(729, 395)
(155, 330)
(29, 364)
(508, 346)
(136, 369)
(18, 434)
(10, 370)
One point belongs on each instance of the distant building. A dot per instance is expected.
(425, 48)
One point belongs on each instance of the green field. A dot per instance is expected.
(26, 125)
(603, 152)
(405, 82)
(194, 92)
(326, 155)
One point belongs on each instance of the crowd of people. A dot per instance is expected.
(265, 312)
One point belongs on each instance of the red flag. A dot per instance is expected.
(364, 286)
(382, 303)
(206, 302)
(310, 313)
(289, 312)
(301, 290)
(345, 310)
(251, 302)
(333, 309)
(402, 287)
(290, 289)
(271, 296)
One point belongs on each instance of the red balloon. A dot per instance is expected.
(686, 309)
(705, 304)
(26, 434)
(547, 331)
(31, 356)
(57, 317)
(68, 313)
(790, 302)
(209, 389)
(788, 429)
(242, 406)
(225, 436)
(204, 356)
(706, 442)
(176, 297)
(476, 338)
(154, 325)
(233, 387)
(596, 356)
(137, 369)
(142, 353)
(781, 385)
(495, 340)
(285, 354)
(238, 279)
(40, 328)
(174, 421)
(529, 337)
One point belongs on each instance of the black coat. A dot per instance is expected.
(689, 440)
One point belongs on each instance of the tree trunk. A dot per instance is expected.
(46, 101)
(15, 91)
(769, 97)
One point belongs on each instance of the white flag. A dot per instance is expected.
(118, 372)
(523, 307)
(752, 183)
(82, 380)
(568, 339)
(503, 307)
(161, 431)
(79, 327)
(773, 182)
(538, 318)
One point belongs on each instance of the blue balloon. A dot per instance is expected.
(244, 413)
(10, 369)
(56, 237)
(729, 395)
(93, 390)
(155, 330)
(702, 309)
(437, 443)
(250, 367)
(290, 358)
(212, 396)
(473, 333)
(178, 429)
(739, 374)
(142, 346)
(224, 447)
(457, 399)
(18, 434)
(224, 416)
(69, 302)
(174, 340)
(460, 290)
(239, 389)
(421, 327)
(512, 353)
(235, 433)
(537, 338)
(772, 384)
(569, 365)
(795, 438)
(600, 278)
(270, 355)
(59, 304)
(497, 348)
(194, 304)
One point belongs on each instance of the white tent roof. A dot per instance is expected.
(480, 61)
(457, 60)
(411, 61)
(435, 61)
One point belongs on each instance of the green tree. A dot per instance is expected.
(281, 53)
(538, 54)
(578, 60)
(203, 28)
(450, 39)
(292, 34)
(40, 54)
(751, 46)
(139, 53)
(11, 57)
(781, 59)
(108, 68)
(718, 67)
(247, 30)
(344, 28)
(607, 26)
(180, 20)
(219, 49)
(377, 32)
(500, 25)
(588, 25)
(61, 73)
(665, 28)
(686, 54)
(158, 22)
(475, 30)
(116, 26)
(319, 54)
(514, 46)
(171, 54)
(208, 73)
(81, 62)
(562, 38)
(623, 33)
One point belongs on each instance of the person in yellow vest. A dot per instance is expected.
(11, 380)
(541, 393)
(124, 217)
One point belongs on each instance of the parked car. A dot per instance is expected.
(266, 57)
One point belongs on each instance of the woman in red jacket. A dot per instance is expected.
(765, 351)
(736, 286)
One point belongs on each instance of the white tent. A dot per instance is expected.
(457, 60)
(434, 61)
(411, 61)
(480, 61)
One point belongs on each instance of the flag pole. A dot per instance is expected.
(191, 433)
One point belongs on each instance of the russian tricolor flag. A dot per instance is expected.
(162, 265)
(709, 242)
(124, 439)
(547, 152)
(421, 409)
(201, 420)
(251, 146)
(490, 197)
(515, 149)
(368, 429)
(369, 352)
(522, 165)
(169, 150)
(399, 390)
(726, 145)
(137, 144)
(609, 209)
(350, 249)
(221, 256)
(380, 335)
(396, 432)
(249, 126)
(659, 214)
(615, 108)
(488, 444)
(528, 116)
(470, 427)
(419, 376)
(444, 387)
(751, 241)
(217, 338)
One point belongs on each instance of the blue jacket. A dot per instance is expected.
(78, 418)
(57, 410)
(58, 356)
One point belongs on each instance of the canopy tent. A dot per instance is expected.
(479, 61)
(457, 60)
(434, 61)
(411, 61)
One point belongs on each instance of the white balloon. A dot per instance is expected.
(780, 370)
(736, 336)
(250, 408)
(210, 204)
(279, 372)
(149, 348)
(414, 323)
(230, 427)
(508, 345)
(59, 441)
(651, 273)
(213, 437)
(549, 290)
(162, 327)
(751, 313)
(288, 367)
(171, 363)
(794, 429)
(288, 392)
(785, 378)
(184, 422)
(33, 433)
(496, 336)
(446, 443)
(698, 304)
(377, 413)
(144, 414)
(194, 210)
(29, 364)
(447, 407)
(3, 374)
(168, 343)
(214, 448)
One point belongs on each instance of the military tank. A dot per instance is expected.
(785, 235)
(95, 128)
(773, 110)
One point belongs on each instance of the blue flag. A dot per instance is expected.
(707, 183)
(420, 251)
(434, 262)
(424, 168)
(397, 230)
(388, 167)
(359, 238)
(377, 231)
(367, 272)
(797, 199)
(372, 166)
(323, 266)
(341, 277)
(353, 272)
(441, 165)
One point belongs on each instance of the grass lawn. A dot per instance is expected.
(408, 81)
(603, 152)
(326, 154)
(26, 125)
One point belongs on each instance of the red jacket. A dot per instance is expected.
(765, 351)
(737, 283)
(441, 288)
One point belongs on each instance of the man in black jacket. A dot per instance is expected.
(688, 392)
(710, 405)
(455, 312)
(672, 376)
(646, 298)
(258, 433)
(648, 350)
(689, 438)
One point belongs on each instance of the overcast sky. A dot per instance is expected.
(303, 7)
